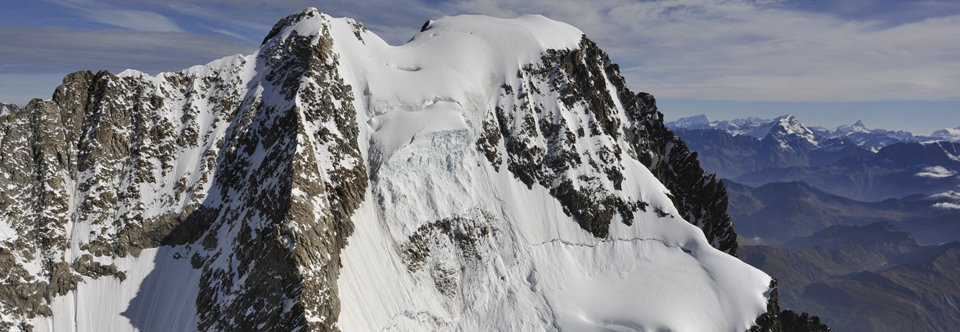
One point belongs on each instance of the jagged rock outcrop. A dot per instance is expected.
(542, 149)
(259, 185)
(699, 195)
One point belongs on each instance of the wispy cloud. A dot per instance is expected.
(223, 21)
(935, 172)
(951, 195)
(947, 206)
(230, 34)
(64, 50)
(120, 17)
(134, 20)
(395, 21)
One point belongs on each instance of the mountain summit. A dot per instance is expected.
(787, 132)
(490, 174)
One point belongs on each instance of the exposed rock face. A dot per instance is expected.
(543, 150)
(792, 322)
(786, 320)
(699, 196)
(225, 163)
(252, 167)
(455, 240)
(770, 321)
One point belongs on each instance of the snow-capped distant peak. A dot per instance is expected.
(947, 134)
(857, 127)
(7, 108)
(692, 122)
(734, 127)
(787, 124)
(785, 129)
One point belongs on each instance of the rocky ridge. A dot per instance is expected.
(103, 168)
(542, 145)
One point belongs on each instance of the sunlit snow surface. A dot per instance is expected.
(424, 104)
(420, 108)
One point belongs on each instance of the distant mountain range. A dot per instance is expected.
(853, 161)
(775, 213)
(858, 133)
(859, 222)
(874, 277)
(898, 170)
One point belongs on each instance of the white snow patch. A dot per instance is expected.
(6, 232)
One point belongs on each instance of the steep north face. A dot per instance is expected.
(249, 177)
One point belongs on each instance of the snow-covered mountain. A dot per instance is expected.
(783, 125)
(693, 122)
(490, 174)
(787, 132)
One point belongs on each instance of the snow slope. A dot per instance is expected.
(159, 291)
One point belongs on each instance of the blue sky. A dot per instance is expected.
(893, 64)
